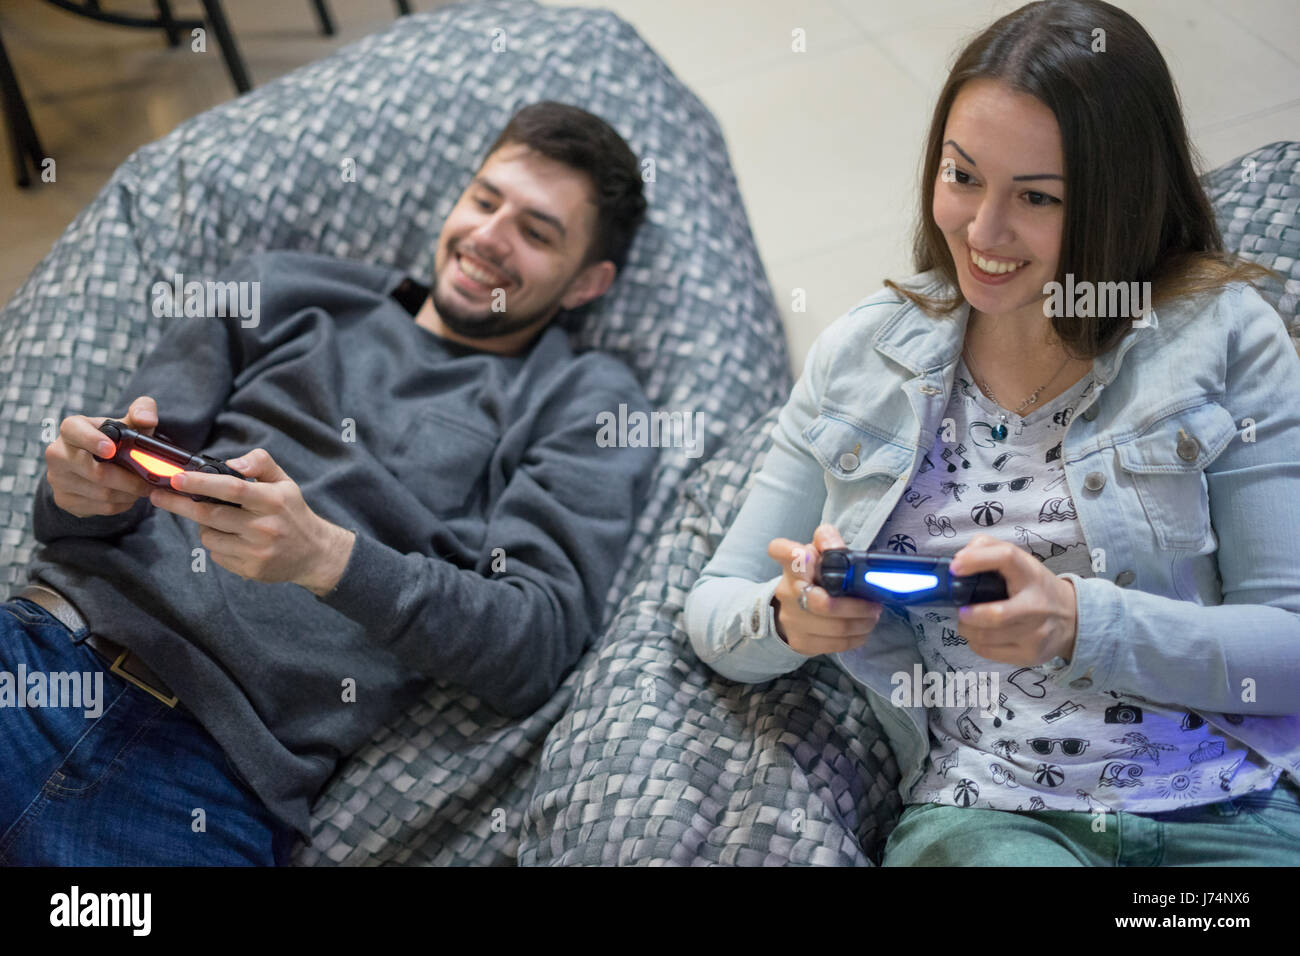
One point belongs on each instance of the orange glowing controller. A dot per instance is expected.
(155, 459)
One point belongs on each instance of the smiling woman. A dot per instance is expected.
(1151, 558)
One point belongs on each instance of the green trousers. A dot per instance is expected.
(1257, 829)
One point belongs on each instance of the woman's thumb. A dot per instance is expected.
(826, 537)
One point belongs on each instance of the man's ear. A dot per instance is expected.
(591, 283)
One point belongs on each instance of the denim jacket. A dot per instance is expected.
(1184, 466)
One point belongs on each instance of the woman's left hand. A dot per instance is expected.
(1037, 621)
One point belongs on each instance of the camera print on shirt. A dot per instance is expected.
(1039, 746)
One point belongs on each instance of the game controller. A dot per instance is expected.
(156, 459)
(889, 578)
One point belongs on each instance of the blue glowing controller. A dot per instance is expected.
(904, 579)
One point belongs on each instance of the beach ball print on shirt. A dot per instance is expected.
(901, 544)
(987, 513)
(966, 792)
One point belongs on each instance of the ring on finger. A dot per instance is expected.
(804, 588)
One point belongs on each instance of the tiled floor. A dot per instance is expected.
(825, 142)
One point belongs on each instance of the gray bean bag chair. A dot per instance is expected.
(659, 760)
(414, 108)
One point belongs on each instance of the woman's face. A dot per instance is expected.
(999, 193)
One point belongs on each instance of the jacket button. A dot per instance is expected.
(1090, 413)
(1188, 447)
(1125, 578)
(1082, 683)
(848, 461)
(1094, 481)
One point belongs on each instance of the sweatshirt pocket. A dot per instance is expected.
(1167, 465)
(444, 461)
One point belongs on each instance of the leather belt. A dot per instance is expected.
(121, 661)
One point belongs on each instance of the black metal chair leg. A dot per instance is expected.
(216, 18)
(23, 141)
(323, 15)
(168, 23)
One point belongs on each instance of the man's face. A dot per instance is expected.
(511, 251)
(1003, 197)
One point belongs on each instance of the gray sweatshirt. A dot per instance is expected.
(489, 522)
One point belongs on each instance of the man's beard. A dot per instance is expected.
(475, 325)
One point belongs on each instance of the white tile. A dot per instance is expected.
(1275, 23)
(880, 16)
(707, 42)
(1221, 69)
(824, 149)
(926, 46)
(1226, 142)
(836, 279)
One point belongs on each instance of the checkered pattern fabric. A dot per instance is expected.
(1256, 200)
(659, 761)
(643, 755)
(410, 112)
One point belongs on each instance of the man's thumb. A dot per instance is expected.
(143, 414)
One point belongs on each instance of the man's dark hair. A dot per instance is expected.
(586, 142)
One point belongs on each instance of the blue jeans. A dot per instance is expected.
(141, 784)
(1261, 828)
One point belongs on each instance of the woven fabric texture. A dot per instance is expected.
(659, 761)
(362, 155)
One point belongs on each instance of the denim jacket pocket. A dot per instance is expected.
(1167, 464)
(849, 455)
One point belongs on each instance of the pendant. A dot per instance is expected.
(999, 433)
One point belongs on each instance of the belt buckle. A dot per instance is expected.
(121, 672)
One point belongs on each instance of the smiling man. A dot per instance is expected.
(430, 504)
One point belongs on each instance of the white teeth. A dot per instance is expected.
(475, 273)
(993, 268)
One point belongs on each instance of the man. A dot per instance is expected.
(430, 502)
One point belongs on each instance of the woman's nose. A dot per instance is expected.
(989, 229)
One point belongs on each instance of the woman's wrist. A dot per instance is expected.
(776, 619)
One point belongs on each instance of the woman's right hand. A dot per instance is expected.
(85, 487)
(830, 624)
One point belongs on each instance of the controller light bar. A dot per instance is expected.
(901, 582)
(163, 469)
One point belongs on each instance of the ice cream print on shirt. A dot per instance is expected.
(1040, 746)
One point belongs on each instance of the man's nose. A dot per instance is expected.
(490, 236)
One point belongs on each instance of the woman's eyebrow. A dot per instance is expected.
(966, 156)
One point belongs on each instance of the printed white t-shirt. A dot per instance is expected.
(1041, 746)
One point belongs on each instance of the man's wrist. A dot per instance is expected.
(334, 552)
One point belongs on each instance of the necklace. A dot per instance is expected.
(999, 433)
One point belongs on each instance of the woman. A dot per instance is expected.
(1129, 463)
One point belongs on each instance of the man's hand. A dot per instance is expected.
(85, 487)
(273, 536)
(1036, 623)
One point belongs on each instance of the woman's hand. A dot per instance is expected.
(1037, 621)
(830, 624)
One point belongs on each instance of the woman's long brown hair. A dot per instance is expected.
(1135, 210)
